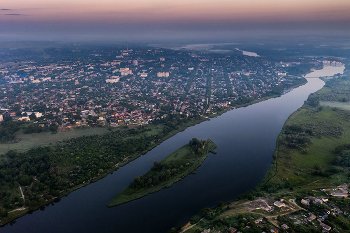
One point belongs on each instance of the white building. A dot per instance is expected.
(125, 71)
(162, 74)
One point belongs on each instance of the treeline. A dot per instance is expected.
(46, 172)
(342, 155)
(296, 137)
(174, 121)
(35, 128)
(159, 172)
(8, 130)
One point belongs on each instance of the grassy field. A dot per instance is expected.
(333, 104)
(28, 141)
(320, 129)
(182, 154)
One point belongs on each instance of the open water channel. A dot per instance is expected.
(246, 139)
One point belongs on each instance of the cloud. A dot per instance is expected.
(5, 9)
(12, 14)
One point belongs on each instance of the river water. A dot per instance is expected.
(246, 139)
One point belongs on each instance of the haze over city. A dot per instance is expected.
(154, 19)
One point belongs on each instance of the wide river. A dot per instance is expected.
(246, 139)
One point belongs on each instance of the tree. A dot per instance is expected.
(32, 116)
(26, 180)
(53, 128)
(4, 214)
(7, 118)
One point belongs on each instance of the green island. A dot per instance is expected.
(306, 187)
(170, 170)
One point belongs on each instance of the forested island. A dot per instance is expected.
(170, 170)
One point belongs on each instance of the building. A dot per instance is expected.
(162, 74)
(143, 75)
(259, 220)
(279, 204)
(23, 119)
(112, 80)
(318, 201)
(312, 217)
(305, 202)
(232, 230)
(340, 193)
(325, 227)
(37, 114)
(125, 71)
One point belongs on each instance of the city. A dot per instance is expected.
(133, 87)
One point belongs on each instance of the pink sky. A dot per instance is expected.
(56, 15)
(152, 11)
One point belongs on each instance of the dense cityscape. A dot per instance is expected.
(134, 86)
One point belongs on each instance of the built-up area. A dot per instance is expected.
(134, 86)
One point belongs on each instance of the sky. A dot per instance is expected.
(147, 19)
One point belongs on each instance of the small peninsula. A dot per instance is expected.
(164, 174)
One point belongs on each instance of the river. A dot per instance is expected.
(246, 139)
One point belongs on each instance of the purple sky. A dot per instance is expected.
(156, 19)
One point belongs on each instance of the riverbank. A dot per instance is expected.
(179, 164)
(305, 149)
(126, 160)
(310, 165)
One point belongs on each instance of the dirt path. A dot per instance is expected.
(20, 188)
(19, 209)
(187, 228)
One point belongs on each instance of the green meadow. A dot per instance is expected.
(306, 147)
